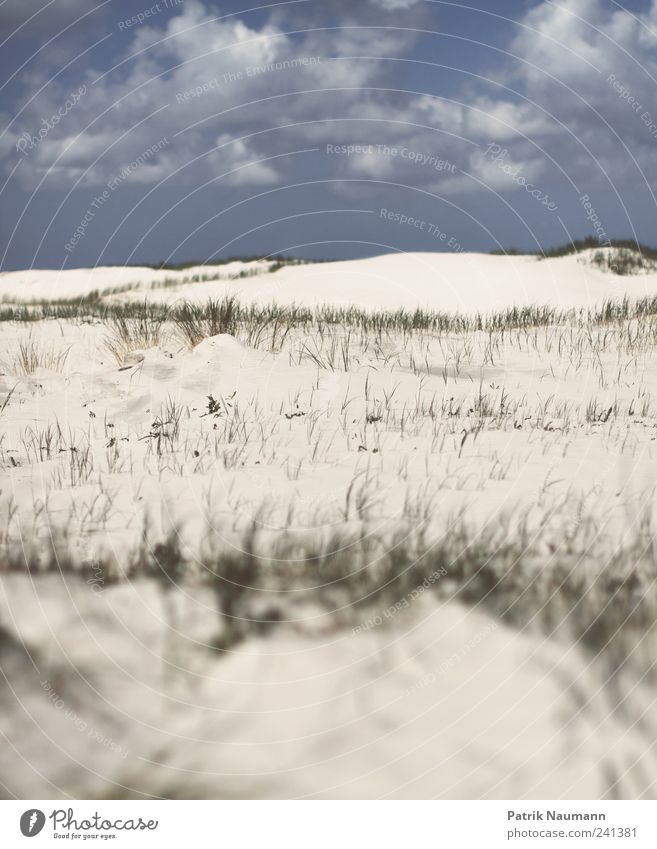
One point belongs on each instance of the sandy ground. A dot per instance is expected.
(445, 703)
(544, 435)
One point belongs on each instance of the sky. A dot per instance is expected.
(189, 130)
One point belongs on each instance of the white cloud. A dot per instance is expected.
(238, 157)
(565, 52)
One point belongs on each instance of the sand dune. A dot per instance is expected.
(447, 282)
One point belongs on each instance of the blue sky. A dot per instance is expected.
(159, 130)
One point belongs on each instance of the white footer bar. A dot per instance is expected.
(328, 824)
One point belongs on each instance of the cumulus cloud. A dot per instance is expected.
(573, 97)
(258, 87)
(205, 74)
(241, 163)
(581, 61)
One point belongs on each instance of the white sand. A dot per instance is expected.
(508, 431)
(440, 281)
